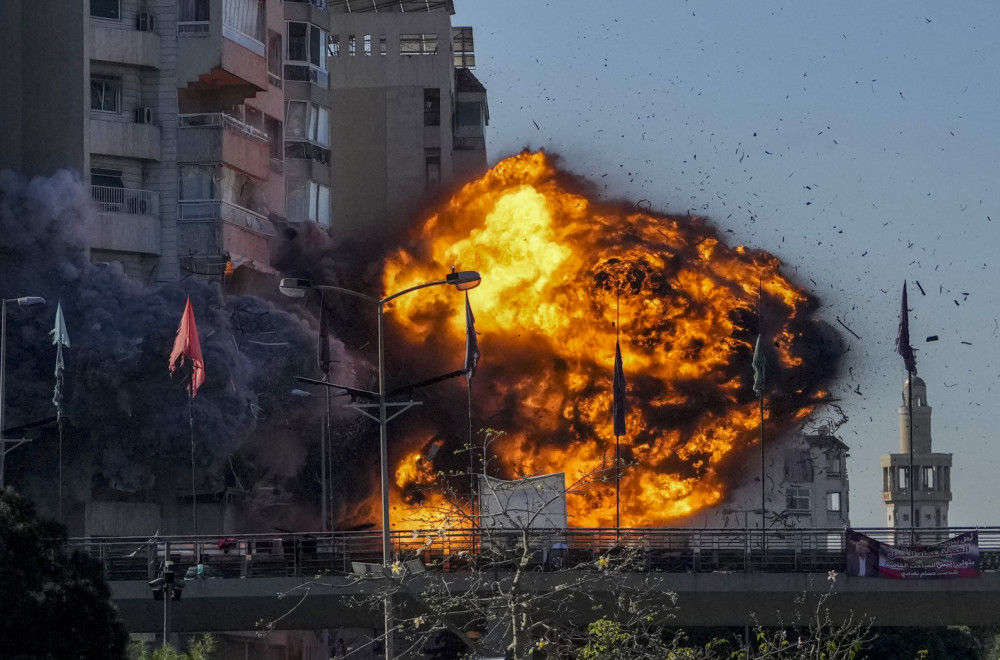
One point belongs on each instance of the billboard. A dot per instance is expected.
(957, 557)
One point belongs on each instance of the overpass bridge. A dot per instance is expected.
(721, 577)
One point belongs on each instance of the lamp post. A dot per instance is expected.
(296, 288)
(24, 301)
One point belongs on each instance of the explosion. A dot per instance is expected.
(564, 277)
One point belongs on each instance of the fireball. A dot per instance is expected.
(564, 279)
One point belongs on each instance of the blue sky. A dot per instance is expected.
(856, 141)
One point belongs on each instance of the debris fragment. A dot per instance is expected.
(920, 287)
(932, 338)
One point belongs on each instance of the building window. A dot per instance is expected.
(306, 47)
(469, 113)
(902, 480)
(310, 200)
(333, 45)
(798, 465)
(432, 166)
(418, 44)
(833, 502)
(307, 121)
(930, 483)
(351, 44)
(274, 55)
(100, 176)
(797, 499)
(832, 463)
(382, 47)
(105, 94)
(368, 45)
(106, 9)
(432, 106)
(192, 11)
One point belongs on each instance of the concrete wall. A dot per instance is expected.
(51, 40)
(11, 80)
(378, 137)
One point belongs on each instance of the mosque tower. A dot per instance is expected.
(931, 477)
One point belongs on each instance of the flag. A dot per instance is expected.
(60, 338)
(759, 368)
(187, 344)
(618, 404)
(903, 339)
(323, 352)
(471, 345)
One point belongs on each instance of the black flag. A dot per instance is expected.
(323, 349)
(903, 340)
(471, 345)
(618, 405)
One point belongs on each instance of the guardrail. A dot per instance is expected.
(211, 210)
(111, 199)
(217, 119)
(660, 549)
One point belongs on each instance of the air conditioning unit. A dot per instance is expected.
(143, 115)
(145, 22)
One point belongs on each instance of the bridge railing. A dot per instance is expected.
(653, 549)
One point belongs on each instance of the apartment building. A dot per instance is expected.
(382, 110)
(199, 124)
(162, 107)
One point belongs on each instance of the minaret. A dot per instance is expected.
(931, 477)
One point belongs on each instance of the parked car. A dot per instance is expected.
(203, 572)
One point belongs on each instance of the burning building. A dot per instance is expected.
(564, 277)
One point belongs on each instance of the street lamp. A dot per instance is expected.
(166, 588)
(24, 301)
(297, 288)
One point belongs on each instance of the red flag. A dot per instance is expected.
(618, 404)
(187, 344)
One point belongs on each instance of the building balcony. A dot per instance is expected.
(126, 220)
(215, 228)
(225, 52)
(126, 139)
(218, 137)
(123, 43)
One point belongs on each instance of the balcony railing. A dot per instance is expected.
(111, 199)
(214, 119)
(204, 210)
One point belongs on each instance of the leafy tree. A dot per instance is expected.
(52, 604)
(199, 648)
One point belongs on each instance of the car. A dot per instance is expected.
(203, 572)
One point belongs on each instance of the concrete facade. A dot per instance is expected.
(384, 85)
(931, 473)
(175, 114)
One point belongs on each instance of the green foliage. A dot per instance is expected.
(199, 648)
(52, 604)
(606, 640)
(946, 643)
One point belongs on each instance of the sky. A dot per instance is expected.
(855, 141)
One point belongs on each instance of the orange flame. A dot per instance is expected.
(563, 278)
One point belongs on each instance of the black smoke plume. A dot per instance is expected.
(127, 433)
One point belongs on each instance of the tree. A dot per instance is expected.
(199, 648)
(52, 604)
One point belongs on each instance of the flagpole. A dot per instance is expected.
(763, 471)
(194, 495)
(618, 509)
(911, 482)
(472, 470)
